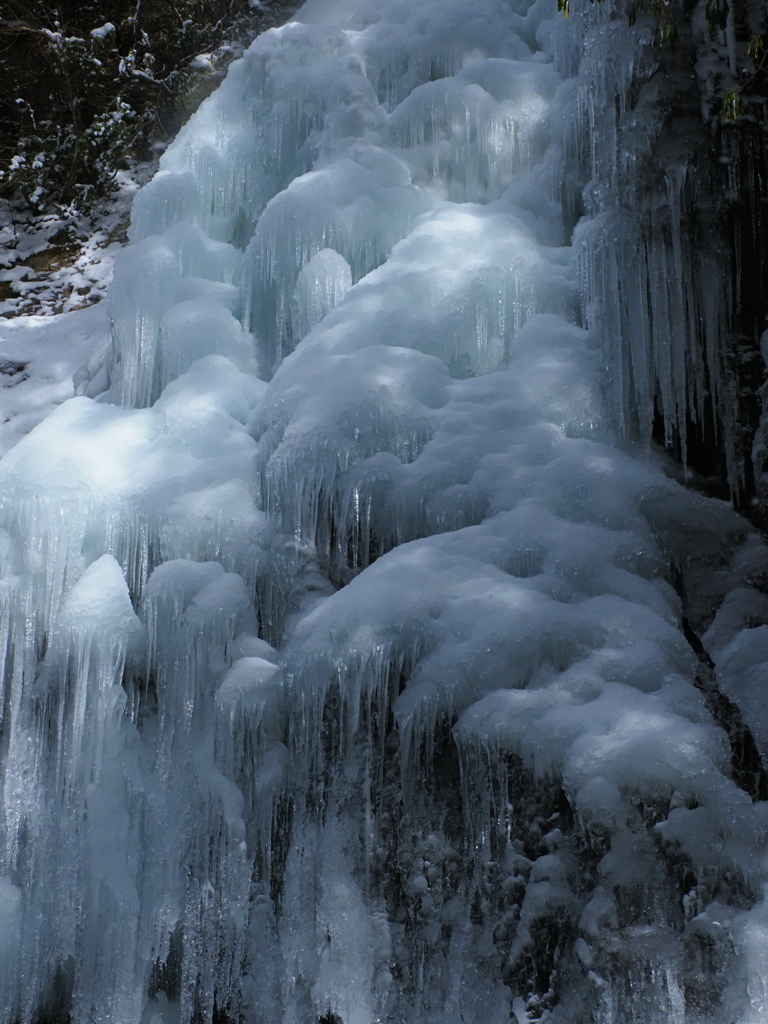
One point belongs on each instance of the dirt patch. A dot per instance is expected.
(53, 258)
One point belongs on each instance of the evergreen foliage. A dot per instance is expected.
(86, 83)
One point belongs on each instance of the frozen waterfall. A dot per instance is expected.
(347, 676)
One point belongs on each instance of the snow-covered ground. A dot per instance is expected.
(40, 357)
(55, 270)
(62, 260)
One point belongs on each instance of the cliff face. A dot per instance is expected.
(675, 256)
(745, 176)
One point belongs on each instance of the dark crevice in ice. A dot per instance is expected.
(747, 766)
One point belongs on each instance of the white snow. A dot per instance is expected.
(61, 260)
(40, 357)
(103, 31)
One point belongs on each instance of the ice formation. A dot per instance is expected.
(345, 677)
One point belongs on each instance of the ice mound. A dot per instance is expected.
(359, 206)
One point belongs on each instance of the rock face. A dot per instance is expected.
(352, 659)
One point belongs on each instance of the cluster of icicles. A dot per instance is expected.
(360, 694)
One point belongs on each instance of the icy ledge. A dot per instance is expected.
(363, 693)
